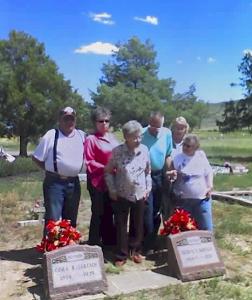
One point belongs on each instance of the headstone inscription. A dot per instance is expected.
(193, 255)
(74, 270)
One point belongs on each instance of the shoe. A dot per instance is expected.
(120, 262)
(137, 258)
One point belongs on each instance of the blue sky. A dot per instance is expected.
(197, 42)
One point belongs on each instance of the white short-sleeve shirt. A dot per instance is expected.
(192, 175)
(69, 152)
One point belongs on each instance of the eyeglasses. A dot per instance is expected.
(187, 145)
(103, 121)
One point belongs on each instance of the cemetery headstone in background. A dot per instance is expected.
(73, 271)
(193, 255)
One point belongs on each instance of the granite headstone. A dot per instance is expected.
(193, 255)
(74, 270)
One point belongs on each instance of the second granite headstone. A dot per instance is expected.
(194, 255)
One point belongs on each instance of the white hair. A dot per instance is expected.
(131, 127)
(180, 121)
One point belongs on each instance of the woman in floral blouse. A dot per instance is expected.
(129, 182)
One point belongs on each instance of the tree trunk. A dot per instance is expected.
(23, 146)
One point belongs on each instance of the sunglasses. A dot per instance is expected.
(102, 121)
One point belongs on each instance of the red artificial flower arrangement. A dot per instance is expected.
(59, 234)
(179, 221)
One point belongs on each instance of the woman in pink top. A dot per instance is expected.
(98, 148)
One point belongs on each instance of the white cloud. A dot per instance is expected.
(148, 19)
(211, 60)
(99, 48)
(103, 18)
(247, 51)
(179, 61)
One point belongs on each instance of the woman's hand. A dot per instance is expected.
(209, 192)
(171, 175)
(113, 196)
(146, 196)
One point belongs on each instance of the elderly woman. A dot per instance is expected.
(129, 183)
(193, 183)
(97, 149)
(179, 129)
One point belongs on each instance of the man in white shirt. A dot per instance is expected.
(60, 154)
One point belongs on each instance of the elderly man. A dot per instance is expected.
(60, 154)
(158, 139)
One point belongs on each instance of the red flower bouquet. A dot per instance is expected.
(179, 221)
(59, 234)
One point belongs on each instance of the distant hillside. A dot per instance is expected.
(215, 112)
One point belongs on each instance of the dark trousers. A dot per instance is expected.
(168, 201)
(62, 197)
(122, 207)
(102, 228)
(152, 213)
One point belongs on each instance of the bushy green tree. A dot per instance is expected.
(245, 68)
(31, 89)
(131, 89)
(238, 114)
(230, 118)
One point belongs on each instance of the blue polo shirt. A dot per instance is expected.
(159, 146)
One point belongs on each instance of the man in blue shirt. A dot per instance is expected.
(158, 139)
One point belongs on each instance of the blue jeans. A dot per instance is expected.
(152, 218)
(62, 197)
(200, 209)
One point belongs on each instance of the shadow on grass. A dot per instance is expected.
(31, 257)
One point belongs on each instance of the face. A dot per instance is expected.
(133, 140)
(155, 125)
(178, 132)
(67, 124)
(102, 124)
(189, 147)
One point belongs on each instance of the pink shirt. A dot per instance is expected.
(98, 149)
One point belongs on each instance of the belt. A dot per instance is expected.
(62, 177)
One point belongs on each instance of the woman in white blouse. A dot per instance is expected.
(193, 182)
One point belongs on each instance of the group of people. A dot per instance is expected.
(142, 179)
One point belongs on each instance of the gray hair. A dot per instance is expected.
(131, 127)
(192, 138)
(180, 121)
(100, 112)
(157, 114)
